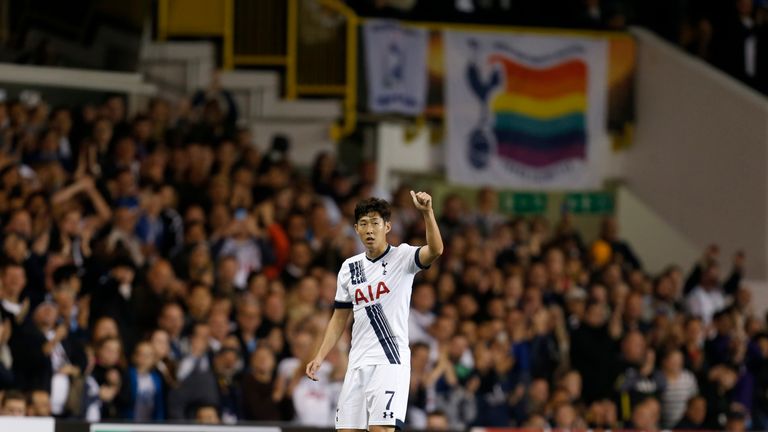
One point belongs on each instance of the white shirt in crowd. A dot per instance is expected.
(704, 303)
(313, 401)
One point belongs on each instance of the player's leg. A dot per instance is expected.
(387, 397)
(351, 412)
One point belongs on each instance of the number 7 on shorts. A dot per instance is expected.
(391, 395)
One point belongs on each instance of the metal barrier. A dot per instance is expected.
(261, 32)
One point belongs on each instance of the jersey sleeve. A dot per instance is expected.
(411, 258)
(343, 299)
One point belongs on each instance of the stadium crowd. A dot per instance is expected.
(730, 34)
(164, 266)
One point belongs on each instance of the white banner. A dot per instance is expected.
(27, 424)
(127, 427)
(525, 111)
(396, 65)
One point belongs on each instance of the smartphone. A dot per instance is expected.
(241, 214)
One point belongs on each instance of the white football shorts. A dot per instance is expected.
(374, 395)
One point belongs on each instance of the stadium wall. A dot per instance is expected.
(700, 159)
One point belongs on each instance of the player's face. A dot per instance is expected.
(372, 230)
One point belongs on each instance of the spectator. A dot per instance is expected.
(226, 363)
(14, 404)
(594, 349)
(486, 215)
(142, 395)
(46, 357)
(39, 404)
(422, 315)
(165, 365)
(695, 415)
(196, 382)
(437, 421)
(207, 414)
(13, 283)
(737, 43)
(115, 297)
(719, 391)
(736, 420)
(312, 400)
(248, 244)
(646, 415)
(602, 415)
(493, 369)
(6, 358)
(260, 401)
(638, 380)
(172, 322)
(452, 217)
(108, 374)
(566, 417)
(759, 367)
(199, 302)
(621, 250)
(679, 387)
(707, 297)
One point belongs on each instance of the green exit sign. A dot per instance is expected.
(523, 203)
(596, 203)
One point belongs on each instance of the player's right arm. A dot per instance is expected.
(333, 332)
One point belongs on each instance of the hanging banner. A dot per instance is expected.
(525, 111)
(396, 67)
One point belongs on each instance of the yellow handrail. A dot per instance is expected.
(162, 19)
(291, 49)
(350, 99)
(228, 36)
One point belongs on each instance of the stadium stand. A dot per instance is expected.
(163, 251)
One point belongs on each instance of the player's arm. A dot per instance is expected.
(333, 332)
(434, 247)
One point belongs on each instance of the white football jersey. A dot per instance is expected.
(379, 293)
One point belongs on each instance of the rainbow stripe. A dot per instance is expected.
(540, 116)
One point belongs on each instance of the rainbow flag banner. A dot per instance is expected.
(524, 110)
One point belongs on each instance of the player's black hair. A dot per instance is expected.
(373, 205)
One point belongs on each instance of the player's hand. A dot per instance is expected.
(312, 368)
(422, 200)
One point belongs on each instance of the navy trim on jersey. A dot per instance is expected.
(342, 305)
(380, 256)
(388, 330)
(379, 311)
(399, 424)
(383, 332)
(418, 261)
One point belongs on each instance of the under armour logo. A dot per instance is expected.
(389, 414)
(383, 264)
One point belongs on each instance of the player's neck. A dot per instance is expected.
(376, 251)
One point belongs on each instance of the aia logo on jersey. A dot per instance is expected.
(367, 297)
